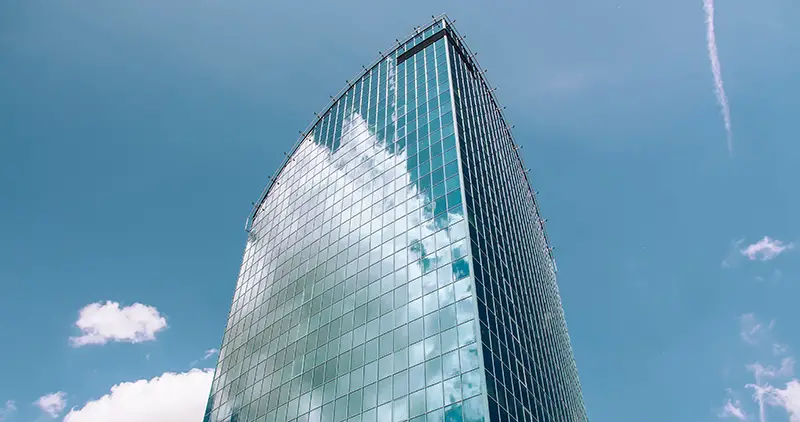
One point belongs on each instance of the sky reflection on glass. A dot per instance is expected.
(354, 299)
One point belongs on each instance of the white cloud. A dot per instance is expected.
(100, 323)
(171, 397)
(208, 353)
(716, 70)
(733, 409)
(734, 254)
(765, 394)
(766, 249)
(763, 373)
(787, 398)
(6, 410)
(52, 404)
(365, 187)
(752, 330)
(779, 349)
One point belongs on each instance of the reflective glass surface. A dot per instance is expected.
(358, 297)
(527, 357)
(354, 301)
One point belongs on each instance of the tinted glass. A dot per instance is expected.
(530, 373)
(354, 301)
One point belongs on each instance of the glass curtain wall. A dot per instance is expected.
(396, 268)
(354, 301)
(530, 371)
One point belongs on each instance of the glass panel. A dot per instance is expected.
(357, 294)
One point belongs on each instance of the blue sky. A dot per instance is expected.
(134, 136)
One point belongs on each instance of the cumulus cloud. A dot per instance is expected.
(171, 397)
(52, 404)
(787, 398)
(103, 322)
(6, 410)
(766, 249)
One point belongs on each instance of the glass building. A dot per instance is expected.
(397, 267)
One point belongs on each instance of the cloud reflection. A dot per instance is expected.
(329, 205)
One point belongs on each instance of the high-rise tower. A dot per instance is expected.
(396, 266)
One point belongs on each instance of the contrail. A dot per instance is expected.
(716, 69)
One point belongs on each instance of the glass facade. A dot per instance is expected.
(527, 357)
(396, 268)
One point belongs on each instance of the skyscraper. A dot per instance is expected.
(396, 266)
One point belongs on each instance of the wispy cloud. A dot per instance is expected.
(751, 330)
(766, 249)
(52, 404)
(208, 353)
(733, 409)
(764, 373)
(788, 398)
(7, 410)
(765, 392)
(758, 396)
(734, 254)
(779, 349)
(774, 277)
(716, 70)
